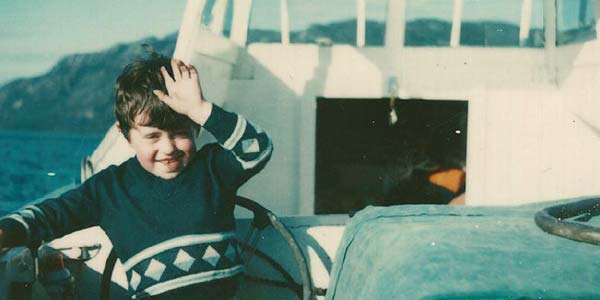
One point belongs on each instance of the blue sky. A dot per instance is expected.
(34, 34)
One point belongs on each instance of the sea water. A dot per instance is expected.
(33, 164)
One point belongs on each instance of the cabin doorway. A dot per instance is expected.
(364, 159)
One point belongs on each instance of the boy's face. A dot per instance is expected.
(162, 153)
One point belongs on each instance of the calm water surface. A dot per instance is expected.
(33, 164)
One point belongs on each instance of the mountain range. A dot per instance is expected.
(77, 94)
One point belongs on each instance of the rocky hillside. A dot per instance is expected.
(76, 95)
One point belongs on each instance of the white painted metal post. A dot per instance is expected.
(360, 23)
(285, 23)
(218, 16)
(241, 17)
(456, 19)
(395, 23)
(188, 28)
(550, 16)
(525, 25)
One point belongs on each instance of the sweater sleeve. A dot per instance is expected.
(247, 147)
(52, 218)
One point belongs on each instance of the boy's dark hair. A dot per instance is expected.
(134, 96)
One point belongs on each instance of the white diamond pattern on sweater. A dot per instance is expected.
(211, 256)
(155, 270)
(135, 280)
(183, 260)
(250, 146)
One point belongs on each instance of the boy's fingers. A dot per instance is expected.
(185, 73)
(176, 71)
(166, 76)
(193, 71)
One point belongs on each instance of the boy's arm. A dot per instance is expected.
(249, 147)
(49, 219)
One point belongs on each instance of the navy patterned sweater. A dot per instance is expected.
(169, 234)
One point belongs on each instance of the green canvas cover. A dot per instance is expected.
(449, 252)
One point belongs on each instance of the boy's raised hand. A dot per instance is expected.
(184, 92)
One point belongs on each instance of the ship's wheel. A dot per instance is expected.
(567, 220)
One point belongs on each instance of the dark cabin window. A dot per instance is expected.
(363, 160)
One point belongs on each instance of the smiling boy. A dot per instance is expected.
(169, 210)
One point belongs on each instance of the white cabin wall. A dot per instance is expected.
(281, 97)
(515, 146)
(578, 77)
(508, 91)
(517, 122)
(524, 143)
(273, 98)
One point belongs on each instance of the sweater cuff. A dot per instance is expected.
(223, 125)
(14, 233)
